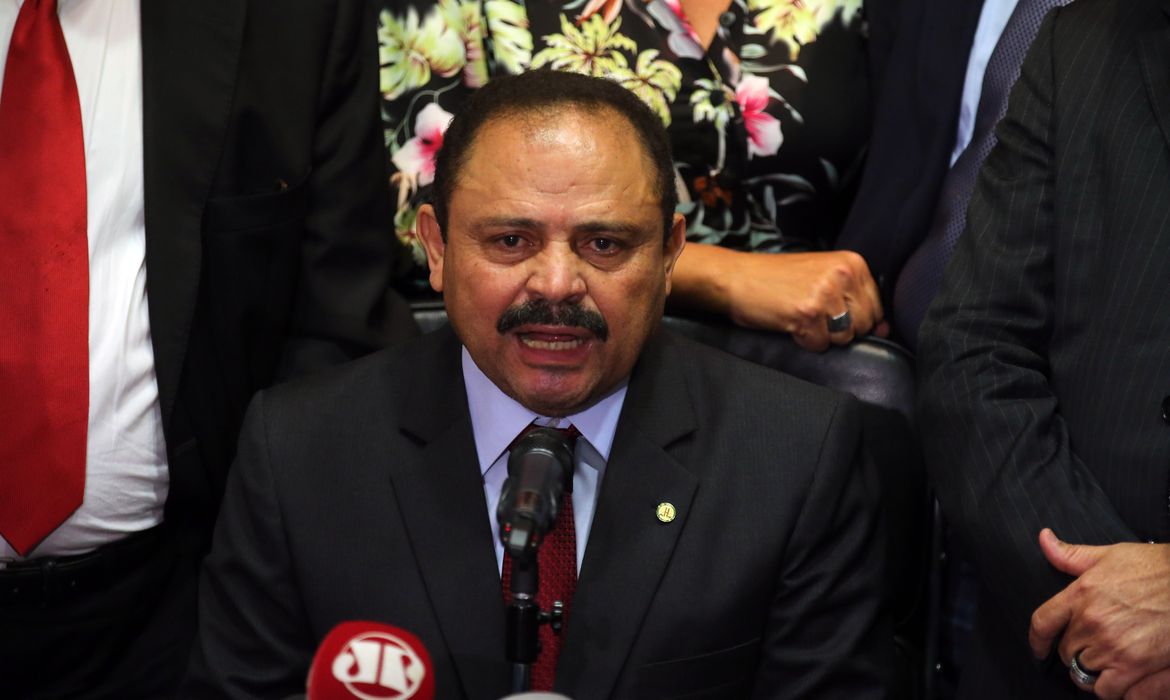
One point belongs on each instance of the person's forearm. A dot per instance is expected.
(795, 293)
(700, 280)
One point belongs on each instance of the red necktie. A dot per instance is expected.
(556, 561)
(44, 283)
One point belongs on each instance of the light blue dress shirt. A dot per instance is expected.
(496, 420)
(992, 20)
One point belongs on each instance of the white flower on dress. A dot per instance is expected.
(416, 159)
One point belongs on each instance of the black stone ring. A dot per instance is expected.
(841, 322)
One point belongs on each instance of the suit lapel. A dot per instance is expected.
(948, 32)
(190, 54)
(1154, 48)
(629, 548)
(440, 494)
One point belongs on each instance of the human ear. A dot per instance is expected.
(431, 236)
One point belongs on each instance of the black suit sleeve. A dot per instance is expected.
(344, 304)
(828, 634)
(997, 447)
(253, 641)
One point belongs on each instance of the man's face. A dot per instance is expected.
(554, 271)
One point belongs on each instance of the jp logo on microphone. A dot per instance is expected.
(376, 666)
(371, 661)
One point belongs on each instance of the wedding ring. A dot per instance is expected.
(1080, 674)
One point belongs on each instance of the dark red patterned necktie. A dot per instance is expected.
(556, 561)
(44, 283)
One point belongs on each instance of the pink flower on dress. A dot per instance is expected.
(764, 137)
(677, 8)
(416, 159)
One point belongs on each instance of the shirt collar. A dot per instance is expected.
(496, 418)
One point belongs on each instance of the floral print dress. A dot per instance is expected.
(768, 124)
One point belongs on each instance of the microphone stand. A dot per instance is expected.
(524, 617)
(538, 469)
(522, 637)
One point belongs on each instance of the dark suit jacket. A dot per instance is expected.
(1044, 360)
(357, 495)
(916, 113)
(268, 252)
(269, 245)
(268, 240)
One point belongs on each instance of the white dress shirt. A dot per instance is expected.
(992, 20)
(496, 420)
(126, 469)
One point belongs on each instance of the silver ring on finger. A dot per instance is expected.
(841, 322)
(1080, 674)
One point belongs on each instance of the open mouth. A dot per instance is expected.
(541, 341)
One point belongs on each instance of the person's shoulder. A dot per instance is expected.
(1079, 38)
(1080, 10)
(378, 381)
(1078, 20)
(723, 382)
(749, 418)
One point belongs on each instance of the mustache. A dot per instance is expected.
(540, 312)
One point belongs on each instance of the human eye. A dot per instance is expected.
(511, 244)
(604, 246)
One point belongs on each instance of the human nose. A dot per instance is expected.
(557, 276)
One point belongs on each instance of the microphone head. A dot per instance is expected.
(540, 469)
(370, 661)
(547, 440)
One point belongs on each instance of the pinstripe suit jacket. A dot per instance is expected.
(1046, 358)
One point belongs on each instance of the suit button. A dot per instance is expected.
(1166, 409)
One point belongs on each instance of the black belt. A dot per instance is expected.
(49, 580)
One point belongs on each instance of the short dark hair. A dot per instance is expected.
(539, 91)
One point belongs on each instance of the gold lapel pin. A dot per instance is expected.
(666, 512)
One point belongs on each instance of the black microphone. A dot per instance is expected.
(540, 467)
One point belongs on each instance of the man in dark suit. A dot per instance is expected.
(948, 75)
(1043, 367)
(251, 213)
(916, 114)
(731, 542)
